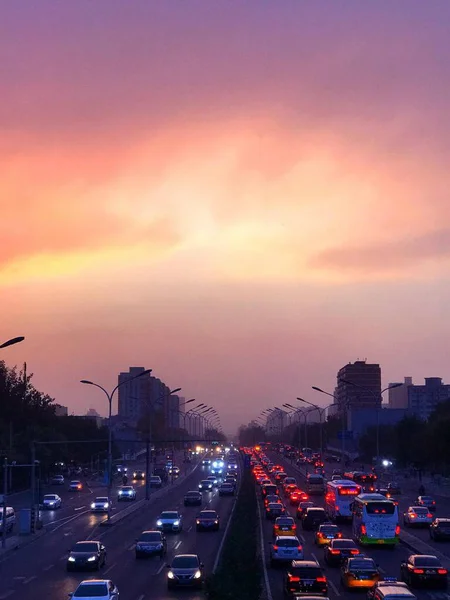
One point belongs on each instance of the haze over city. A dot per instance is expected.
(242, 197)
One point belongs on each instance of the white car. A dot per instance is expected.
(101, 504)
(96, 589)
(285, 548)
(51, 501)
(169, 520)
(417, 515)
(126, 492)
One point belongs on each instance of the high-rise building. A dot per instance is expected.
(398, 396)
(423, 399)
(276, 421)
(366, 391)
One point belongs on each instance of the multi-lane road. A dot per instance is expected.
(387, 559)
(39, 569)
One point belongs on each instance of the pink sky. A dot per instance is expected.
(241, 196)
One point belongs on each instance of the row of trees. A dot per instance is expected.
(423, 444)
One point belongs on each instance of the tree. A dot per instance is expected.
(251, 434)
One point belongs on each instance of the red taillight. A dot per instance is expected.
(294, 527)
(277, 526)
(429, 515)
(334, 551)
(433, 502)
(291, 578)
(418, 571)
(320, 535)
(299, 548)
(275, 548)
(363, 529)
(442, 571)
(321, 579)
(354, 551)
(339, 535)
(413, 516)
(336, 508)
(397, 530)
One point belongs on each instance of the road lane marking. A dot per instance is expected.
(382, 571)
(141, 597)
(302, 538)
(131, 547)
(190, 528)
(263, 551)
(160, 569)
(334, 588)
(48, 567)
(314, 557)
(109, 568)
(6, 595)
(29, 579)
(67, 520)
(79, 507)
(177, 545)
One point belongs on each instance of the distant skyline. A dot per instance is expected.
(242, 197)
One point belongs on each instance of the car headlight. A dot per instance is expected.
(93, 505)
(197, 575)
(170, 575)
(176, 523)
(198, 522)
(159, 523)
(71, 559)
(199, 486)
(106, 504)
(92, 558)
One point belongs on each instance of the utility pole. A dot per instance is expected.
(5, 492)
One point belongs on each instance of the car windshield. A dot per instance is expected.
(169, 515)
(420, 510)
(75, 483)
(274, 505)
(127, 489)
(150, 536)
(286, 543)
(101, 499)
(208, 514)
(329, 529)
(206, 481)
(305, 504)
(427, 499)
(307, 572)
(315, 512)
(380, 508)
(185, 562)
(227, 485)
(91, 590)
(50, 497)
(365, 564)
(427, 561)
(193, 494)
(340, 544)
(85, 547)
(285, 521)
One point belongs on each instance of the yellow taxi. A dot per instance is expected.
(326, 533)
(359, 572)
(284, 526)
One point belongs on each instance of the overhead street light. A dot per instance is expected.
(12, 341)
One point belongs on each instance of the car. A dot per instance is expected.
(424, 569)
(57, 480)
(280, 476)
(297, 496)
(206, 462)
(428, 502)
(359, 572)
(155, 481)
(86, 555)
(126, 492)
(384, 492)
(205, 485)
(75, 486)
(174, 472)
(417, 516)
(264, 481)
(284, 526)
(302, 507)
(394, 488)
(289, 481)
(274, 510)
(312, 517)
(288, 489)
(326, 533)
(338, 550)
(305, 577)
(122, 469)
(271, 498)
(101, 504)
(207, 520)
(51, 501)
(285, 548)
(151, 543)
(186, 570)
(390, 589)
(269, 488)
(231, 480)
(440, 529)
(214, 480)
(170, 520)
(226, 489)
(193, 498)
(138, 475)
(98, 589)
(336, 477)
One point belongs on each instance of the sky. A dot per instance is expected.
(242, 196)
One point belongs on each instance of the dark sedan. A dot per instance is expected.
(274, 510)
(339, 550)
(193, 499)
(86, 555)
(440, 530)
(151, 543)
(424, 570)
(207, 520)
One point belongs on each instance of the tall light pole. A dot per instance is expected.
(110, 397)
(12, 341)
(378, 408)
(321, 410)
(344, 414)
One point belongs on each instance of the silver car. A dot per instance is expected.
(186, 570)
(51, 502)
(101, 504)
(285, 548)
(417, 515)
(170, 520)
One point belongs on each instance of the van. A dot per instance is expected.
(315, 484)
(10, 518)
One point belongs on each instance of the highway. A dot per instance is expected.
(39, 570)
(387, 559)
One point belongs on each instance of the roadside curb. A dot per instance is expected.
(22, 542)
(417, 545)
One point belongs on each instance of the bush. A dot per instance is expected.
(239, 572)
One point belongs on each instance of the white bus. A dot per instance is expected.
(339, 498)
(375, 520)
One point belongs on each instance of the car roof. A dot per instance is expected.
(286, 537)
(304, 563)
(94, 581)
(186, 556)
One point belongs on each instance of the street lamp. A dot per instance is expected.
(344, 415)
(12, 341)
(321, 410)
(378, 408)
(110, 399)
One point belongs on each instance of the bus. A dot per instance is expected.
(339, 498)
(364, 479)
(375, 520)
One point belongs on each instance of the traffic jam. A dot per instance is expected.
(325, 535)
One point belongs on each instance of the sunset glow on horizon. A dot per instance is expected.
(242, 198)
